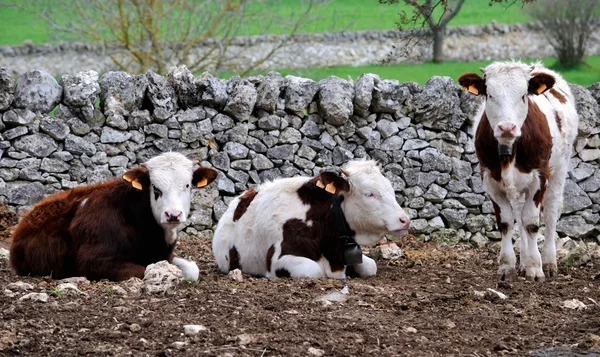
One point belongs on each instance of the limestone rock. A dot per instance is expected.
(161, 278)
(37, 91)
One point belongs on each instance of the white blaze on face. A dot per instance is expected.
(170, 188)
(507, 99)
(370, 207)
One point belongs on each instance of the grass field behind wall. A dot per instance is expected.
(421, 73)
(337, 15)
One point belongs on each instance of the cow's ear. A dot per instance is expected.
(472, 83)
(332, 182)
(540, 82)
(203, 176)
(138, 178)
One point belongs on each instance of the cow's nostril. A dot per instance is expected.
(405, 221)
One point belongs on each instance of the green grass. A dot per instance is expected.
(339, 15)
(421, 73)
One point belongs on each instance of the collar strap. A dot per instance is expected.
(351, 249)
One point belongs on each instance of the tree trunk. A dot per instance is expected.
(438, 42)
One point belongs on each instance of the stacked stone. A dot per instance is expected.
(261, 128)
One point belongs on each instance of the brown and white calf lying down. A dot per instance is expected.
(309, 227)
(524, 140)
(114, 229)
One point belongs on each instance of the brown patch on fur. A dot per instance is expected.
(561, 98)
(234, 259)
(558, 121)
(534, 147)
(532, 228)
(502, 226)
(270, 254)
(319, 239)
(245, 200)
(282, 273)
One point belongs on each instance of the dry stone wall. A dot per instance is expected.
(261, 128)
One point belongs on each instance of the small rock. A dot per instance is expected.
(449, 324)
(334, 296)
(573, 304)
(236, 275)
(118, 290)
(42, 297)
(245, 339)
(19, 285)
(9, 293)
(389, 251)
(494, 295)
(409, 329)
(161, 278)
(135, 327)
(74, 280)
(316, 352)
(4, 254)
(193, 329)
(179, 345)
(69, 289)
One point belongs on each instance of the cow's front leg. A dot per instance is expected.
(531, 259)
(296, 267)
(188, 268)
(505, 222)
(368, 267)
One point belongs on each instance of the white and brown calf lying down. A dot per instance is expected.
(295, 227)
(524, 138)
(111, 230)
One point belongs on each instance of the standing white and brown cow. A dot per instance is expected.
(524, 140)
(309, 227)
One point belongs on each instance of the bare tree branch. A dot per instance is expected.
(158, 34)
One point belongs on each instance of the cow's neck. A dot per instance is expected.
(170, 235)
(352, 251)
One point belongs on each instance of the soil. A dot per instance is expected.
(423, 304)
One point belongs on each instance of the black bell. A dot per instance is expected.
(352, 252)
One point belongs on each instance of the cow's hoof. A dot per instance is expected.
(534, 274)
(507, 273)
(550, 270)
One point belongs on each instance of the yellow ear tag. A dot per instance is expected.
(320, 184)
(202, 182)
(541, 88)
(127, 178)
(330, 188)
(136, 184)
(473, 90)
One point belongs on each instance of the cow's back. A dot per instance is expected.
(251, 228)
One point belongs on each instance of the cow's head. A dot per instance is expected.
(168, 179)
(369, 203)
(506, 87)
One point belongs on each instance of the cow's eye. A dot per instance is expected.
(490, 96)
(157, 192)
(187, 186)
(523, 98)
(370, 194)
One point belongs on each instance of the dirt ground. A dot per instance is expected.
(420, 305)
